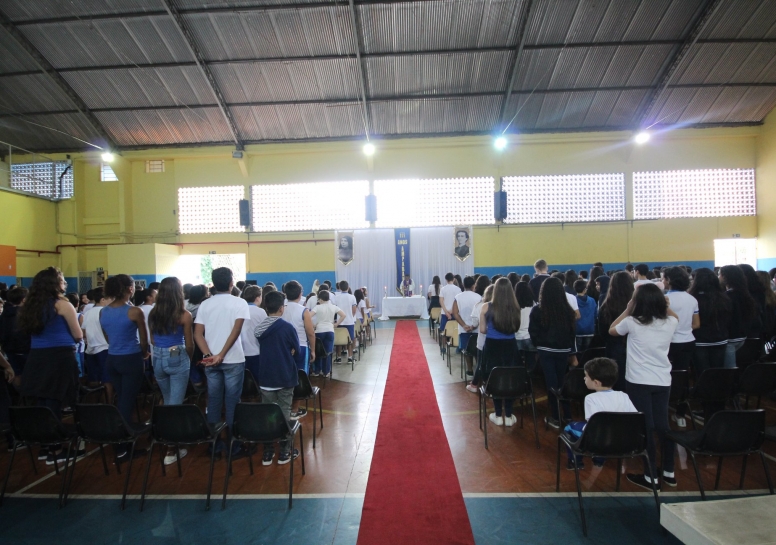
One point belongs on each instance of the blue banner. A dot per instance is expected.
(402, 238)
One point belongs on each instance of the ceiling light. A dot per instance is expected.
(107, 157)
(500, 143)
(642, 137)
(369, 149)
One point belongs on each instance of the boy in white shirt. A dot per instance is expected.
(347, 303)
(446, 300)
(462, 311)
(217, 331)
(600, 375)
(96, 346)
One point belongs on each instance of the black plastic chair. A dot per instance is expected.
(758, 379)
(104, 425)
(727, 433)
(256, 423)
(714, 386)
(195, 391)
(39, 426)
(304, 391)
(608, 435)
(250, 389)
(749, 352)
(591, 353)
(680, 389)
(508, 383)
(175, 425)
(573, 389)
(149, 393)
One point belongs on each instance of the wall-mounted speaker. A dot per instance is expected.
(371, 208)
(500, 205)
(245, 212)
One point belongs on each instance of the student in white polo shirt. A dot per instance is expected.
(347, 303)
(463, 306)
(298, 316)
(446, 299)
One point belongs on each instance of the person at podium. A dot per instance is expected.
(407, 286)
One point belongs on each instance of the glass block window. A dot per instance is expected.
(43, 178)
(107, 174)
(432, 202)
(316, 206)
(694, 193)
(210, 209)
(155, 166)
(565, 198)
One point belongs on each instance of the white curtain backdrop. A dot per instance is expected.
(373, 265)
(431, 254)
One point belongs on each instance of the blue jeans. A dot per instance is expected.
(324, 364)
(172, 373)
(126, 375)
(730, 353)
(224, 386)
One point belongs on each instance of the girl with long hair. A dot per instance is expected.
(172, 342)
(51, 370)
(769, 316)
(650, 325)
(714, 309)
(552, 329)
(619, 293)
(500, 320)
(481, 284)
(757, 291)
(592, 291)
(525, 300)
(742, 311)
(125, 330)
(433, 293)
(569, 277)
(487, 297)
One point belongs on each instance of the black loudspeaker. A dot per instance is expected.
(245, 212)
(371, 208)
(500, 205)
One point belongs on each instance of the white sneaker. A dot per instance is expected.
(497, 420)
(510, 420)
(171, 458)
(472, 388)
(680, 421)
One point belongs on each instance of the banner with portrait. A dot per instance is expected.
(462, 242)
(343, 250)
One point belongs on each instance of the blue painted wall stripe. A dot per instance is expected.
(528, 269)
(305, 278)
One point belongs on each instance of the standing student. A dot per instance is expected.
(446, 300)
(434, 290)
(526, 349)
(299, 316)
(96, 357)
(250, 344)
(618, 295)
(650, 325)
(463, 306)
(15, 343)
(347, 303)
(51, 370)
(487, 296)
(540, 275)
(172, 346)
(552, 331)
(741, 313)
(360, 306)
(588, 316)
(325, 316)
(217, 330)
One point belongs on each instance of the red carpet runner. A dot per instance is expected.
(413, 494)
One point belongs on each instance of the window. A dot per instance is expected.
(155, 166)
(52, 179)
(210, 209)
(694, 193)
(107, 174)
(565, 198)
(311, 206)
(735, 251)
(432, 202)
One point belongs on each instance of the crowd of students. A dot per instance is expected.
(649, 321)
(177, 336)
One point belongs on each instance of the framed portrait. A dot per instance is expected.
(462, 236)
(344, 247)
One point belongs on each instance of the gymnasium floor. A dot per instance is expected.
(509, 489)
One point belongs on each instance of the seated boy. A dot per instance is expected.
(588, 316)
(600, 376)
(279, 343)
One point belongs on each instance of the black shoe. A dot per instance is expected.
(598, 463)
(266, 460)
(570, 465)
(641, 480)
(299, 414)
(19, 446)
(285, 457)
(60, 458)
(551, 422)
(244, 452)
(122, 457)
(43, 453)
(469, 373)
(670, 481)
(338, 360)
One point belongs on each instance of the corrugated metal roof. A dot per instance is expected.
(12, 57)
(714, 105)
(301, 121)
(22, 10)
(236, 4)
(141, 87)
(39, 136)
(288, 33)
(323, 79)
(729, 63)
(742, 19)
(434, 116)
(437, 74)
(185, 126)
(434, 25)
(33, 93)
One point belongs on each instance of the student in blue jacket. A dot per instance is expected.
(588, 316)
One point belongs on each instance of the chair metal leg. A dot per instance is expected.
(178, 460)
(72, 471)
(145, 478)
(291, 475)
(479, 406)
(536, 423)
(104, 460)
(10, 465)
(767, 472)
(743, 471)
(229, 470)
(719, 472)
(250, 458)
(653, 478)
(557, 467)
(320, 408)
(64, 474)
(579, 495)
(301, 447)
(697, 474)
(485, 419)
(161, 462)
(619, 472)
(32, 460)
(210, 474)
(129, 471)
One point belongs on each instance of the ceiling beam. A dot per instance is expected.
(173, 12)
(515, 66)
(46, 68)
(361, 70)
(678, 54)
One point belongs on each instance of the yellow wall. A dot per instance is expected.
(766, 194)
(29, 224)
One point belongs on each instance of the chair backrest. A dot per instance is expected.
(574, 387)
(250, 386)
(179, 424)
(749, 352)
(37, 425)
(471, 346)
(451, 328)
(592, 353)
(435, 313)
(101, 423)
(259, 422)
(303, 389)
(507, 382)
(734, 432)
(758, 379)
(680, 385)
(341, 336)
(612, 434)
(357, 326)
(716, 384)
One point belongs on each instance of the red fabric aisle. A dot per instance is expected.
(413, 494)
